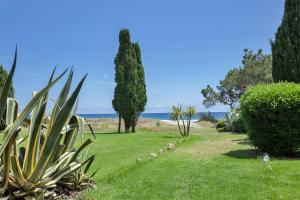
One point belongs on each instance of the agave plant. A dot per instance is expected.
(233, 122)
(45, 156)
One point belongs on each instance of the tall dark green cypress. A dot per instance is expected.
(120, 62)
(130, 91)
(141, 84)
(286, 47)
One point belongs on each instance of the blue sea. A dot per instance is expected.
(159, 116)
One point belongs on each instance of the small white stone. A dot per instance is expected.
(170, 146)
(153, 155)
(139, 160)
(266, 157)
(161, 151)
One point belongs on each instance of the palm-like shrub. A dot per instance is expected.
(43, 160)
(178, 114)
(189, 113)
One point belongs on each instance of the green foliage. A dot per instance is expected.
(208, 117)
(3, 77)
(221, 126)
(43, 160)
(256, 69)
(130, 92)
(141, 84)
(286, 47)
(120, 61)
(211, 97)
(272, 117)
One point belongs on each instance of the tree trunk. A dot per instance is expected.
(133, 127)
(119, 126)
(134, 123)
(184, 129)
(179, 128)
(127, 127)
(187, 127)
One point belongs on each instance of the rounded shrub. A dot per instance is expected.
(221, 126)
(271, 114)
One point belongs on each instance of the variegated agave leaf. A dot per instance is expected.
(50, 157)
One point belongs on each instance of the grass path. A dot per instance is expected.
(207, 166)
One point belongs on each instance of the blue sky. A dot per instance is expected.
(186, 45)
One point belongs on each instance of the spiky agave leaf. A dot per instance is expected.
(53, 138)
(50, 156)
(34, 101)
(31, 155)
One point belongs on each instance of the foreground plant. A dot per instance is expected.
(44, 160)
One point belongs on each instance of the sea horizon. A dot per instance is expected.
(154, 115)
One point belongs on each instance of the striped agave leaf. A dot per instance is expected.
(50, 157)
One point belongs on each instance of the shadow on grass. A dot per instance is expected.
(253, 154)
(243, 154)
(243, 141)
(109, 133)
(172, 136)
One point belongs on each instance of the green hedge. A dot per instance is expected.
(271, 114)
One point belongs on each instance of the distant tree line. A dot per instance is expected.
(130, 96)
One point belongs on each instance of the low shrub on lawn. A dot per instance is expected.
(207, 117)
(271, 114)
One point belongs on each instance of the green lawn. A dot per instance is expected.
(208, 165)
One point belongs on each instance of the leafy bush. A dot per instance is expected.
(221, 126)
(207, 117)
(232, 122)
(238, 125)
(272, 117)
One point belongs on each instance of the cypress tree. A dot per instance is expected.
(126, 96)
(286, 47)
(120, 62)
(3, 77)
(141, 85)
